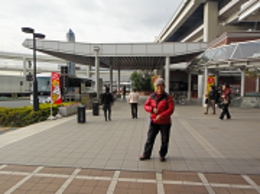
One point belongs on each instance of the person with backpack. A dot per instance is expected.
(160, 105)
(107, 101)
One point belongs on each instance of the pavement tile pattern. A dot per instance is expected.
(34, 179)
(206, 155)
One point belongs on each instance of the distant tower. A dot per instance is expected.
(71, 65)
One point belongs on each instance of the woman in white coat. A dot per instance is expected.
(134, 101)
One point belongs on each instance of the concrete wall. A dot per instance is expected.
(246, 102)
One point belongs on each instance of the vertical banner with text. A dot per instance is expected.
(154, 78)
(210, 82)
(55, 88)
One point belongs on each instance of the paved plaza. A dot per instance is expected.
(206, 155)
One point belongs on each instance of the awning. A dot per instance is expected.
(233, 56)
(125, 56)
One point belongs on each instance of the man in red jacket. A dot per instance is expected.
(161, 106)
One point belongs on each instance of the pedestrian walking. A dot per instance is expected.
(107, 101)
(225, 100)
(211, 100)
(134, 102)
(160, 105)
(124, 92)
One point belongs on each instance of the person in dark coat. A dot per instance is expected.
(225, 101)
(107, 101)
(212, 97)
(124, 92)
(160, 105)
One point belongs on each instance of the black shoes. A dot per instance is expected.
(162, 159)
(221, 118)
(143, 157)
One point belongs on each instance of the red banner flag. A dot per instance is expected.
(55, 88)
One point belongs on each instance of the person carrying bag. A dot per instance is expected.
(225, 99)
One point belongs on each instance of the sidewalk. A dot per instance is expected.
(206, 155)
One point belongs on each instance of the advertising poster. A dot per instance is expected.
(55, 88)
(154, 78)
(210, 82)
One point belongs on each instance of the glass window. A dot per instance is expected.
(44, 84)
(246, 50)
(224, 53)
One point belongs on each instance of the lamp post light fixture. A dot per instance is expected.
(35, 84)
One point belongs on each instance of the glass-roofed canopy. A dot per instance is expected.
(229, 56)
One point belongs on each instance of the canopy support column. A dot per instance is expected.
(96, 49)
(216, 79)
(189, 86)
(167, 74)
(205, 85)
(118, 80)
(200, 85)
(111, 77)
(88, 71)
(257, 84)
(242, 91)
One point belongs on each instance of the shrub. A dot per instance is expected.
(20, 117)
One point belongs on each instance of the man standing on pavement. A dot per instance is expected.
(134, 102)
(107, 102)
(160, 105)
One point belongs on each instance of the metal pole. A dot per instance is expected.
(35, 85)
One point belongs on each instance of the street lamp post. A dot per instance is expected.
(35, 84)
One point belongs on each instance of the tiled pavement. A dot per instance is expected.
(206, 155)
(34, 179)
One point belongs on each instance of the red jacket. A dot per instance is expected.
(165, 108)
(226, 94)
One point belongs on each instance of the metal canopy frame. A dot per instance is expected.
(241, 54)
(123, 56)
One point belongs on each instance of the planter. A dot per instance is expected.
(67, 111)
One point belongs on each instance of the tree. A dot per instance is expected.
(252, 72)
(141, 81)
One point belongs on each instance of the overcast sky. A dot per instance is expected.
(93, 21)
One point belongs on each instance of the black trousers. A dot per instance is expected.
(152, 133)
(225, 111)
(107, 108)
(134, 110)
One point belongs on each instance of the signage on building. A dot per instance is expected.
(210, 82)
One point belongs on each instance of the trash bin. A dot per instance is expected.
(81, 114)
(95, 108)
